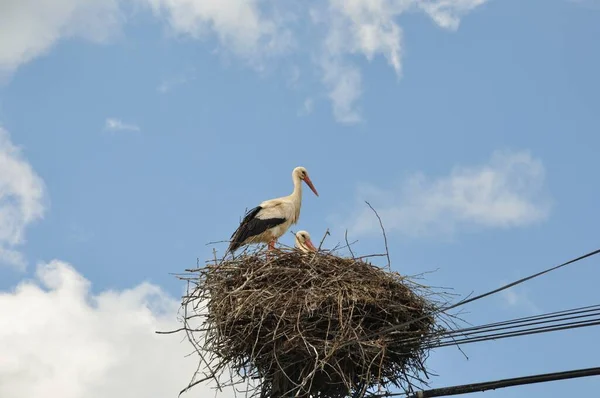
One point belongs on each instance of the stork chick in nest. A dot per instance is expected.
(303, 242)
(268, 221)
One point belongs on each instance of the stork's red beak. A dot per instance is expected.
(309, 244)
(310, 185)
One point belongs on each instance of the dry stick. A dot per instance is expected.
(348, 244)
(216, 241)
(387, 252)
(171, 331)
(323, 240)
(215, 256)
(371, 255)
(193, 342)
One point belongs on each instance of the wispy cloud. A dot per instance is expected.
(22, 200)
(370, 28)
(344, 83)
(519, 299)
(180, 79)
(113, 124)
(243, 28)
(292, 76)
(506, 192)
(256, 32)
(169, 84)
(307, 107)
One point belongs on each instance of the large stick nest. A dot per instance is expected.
(300, 325)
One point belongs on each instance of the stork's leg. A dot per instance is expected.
(270, 247)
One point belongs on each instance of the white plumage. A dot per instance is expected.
(304, 243)
(268, 221)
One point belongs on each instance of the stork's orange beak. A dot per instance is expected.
(310, 185)
(310, 245)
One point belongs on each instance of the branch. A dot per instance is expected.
(323, 240)
(387, 252)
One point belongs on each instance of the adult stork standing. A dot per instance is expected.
(303, 242)
(271, 219)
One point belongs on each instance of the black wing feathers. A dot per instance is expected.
(249, 216)
(252, 226)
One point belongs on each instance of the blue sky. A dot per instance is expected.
(133, 133)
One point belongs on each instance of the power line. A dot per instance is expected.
(542, 318)
(496, 384)
(579, 317)
(498, 336)
(529, 321)
(466, 301)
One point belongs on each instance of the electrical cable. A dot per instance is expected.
(496, 384)
(483, 295)
(578, 317)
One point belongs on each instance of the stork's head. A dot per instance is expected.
(303, 242)
(301, 174)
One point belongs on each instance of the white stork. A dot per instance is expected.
(269, 220)
(303, 242)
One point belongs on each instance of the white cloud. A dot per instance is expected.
(21, 200)
(169, 84)
(344, 84)
(334, 32)
(243, 27)
(505, 192)
(447, 13)
(370, 28)
(31, 27)
(118, 125)
(307, 107)
(59, 340)
(179, 79)
(292, 76)
(517, 298)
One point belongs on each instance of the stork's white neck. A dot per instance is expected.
(297, 193)
(296, 197)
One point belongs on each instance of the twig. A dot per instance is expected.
(387, 252)
(371, 255)
(323, 240)
(202, 359)
(348, 244)
(171, 331)
(216, 241)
